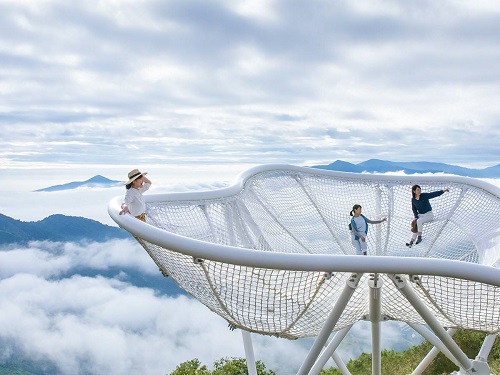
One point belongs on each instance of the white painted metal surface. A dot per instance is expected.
(271, 254)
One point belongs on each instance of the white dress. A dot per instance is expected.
(135, 201)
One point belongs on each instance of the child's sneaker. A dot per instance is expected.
(419, 239)
(409, 244)
(364, 252)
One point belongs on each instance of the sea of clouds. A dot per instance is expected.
(49, 312)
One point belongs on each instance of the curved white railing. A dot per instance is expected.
(303, 262)
(307, 262)
(271, 254)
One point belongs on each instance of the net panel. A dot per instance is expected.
(303, 212)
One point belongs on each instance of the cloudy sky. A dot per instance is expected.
(127, 82)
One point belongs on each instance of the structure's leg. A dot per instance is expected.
(484, 352)
(247, 343)
(340, 364)
(330, 352)
(480, 364)
(401, 283)
(375, 283)
(329, 325)
(438, 346)
(478, 368)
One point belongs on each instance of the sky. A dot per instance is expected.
(196, 92)
(142, 83)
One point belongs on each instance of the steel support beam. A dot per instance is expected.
(407, 291)
(249, 354)
(331, 321)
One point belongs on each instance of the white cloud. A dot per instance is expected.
(132, 82)
(53, 259)
(99, 325)
(102, 325)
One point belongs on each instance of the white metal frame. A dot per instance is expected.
(392, 266)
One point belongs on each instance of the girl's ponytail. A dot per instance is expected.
(355, 207)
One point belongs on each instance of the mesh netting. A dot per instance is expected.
(304, 212)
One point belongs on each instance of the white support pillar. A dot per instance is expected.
(340, 364)
(480, 364)
(329, 324)
(438, 346)
(330, 352)
(426, 361)
(401, 283)
(375, 283)
(484, 352)
(250, 357)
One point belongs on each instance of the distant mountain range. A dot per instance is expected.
(384, 166)
(57, 228)
(368, 166)
(94, 182)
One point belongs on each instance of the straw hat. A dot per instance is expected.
(133, 175)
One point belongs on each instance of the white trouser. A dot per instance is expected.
(359, 245)
(424, 218)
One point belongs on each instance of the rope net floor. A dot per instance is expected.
(305, 211)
